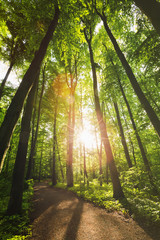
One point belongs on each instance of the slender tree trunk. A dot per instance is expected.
(33, 133)
(16, 105)
(54, 179)
(144, 102)
(117, 189)
(40, 164)
(8, 159)
(99, 151)
(59, 158)
(152, 10)
(129, 136)
(69, 168)
(5, 79)
(15, 202)
(144, 157)
(122, 136)
(33, 147)
(71, 125)
(104, 115)
(100, 163)
(84, 166)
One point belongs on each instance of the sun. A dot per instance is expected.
(87, 138)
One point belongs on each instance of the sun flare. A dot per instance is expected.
(88, 135)
(87, 138)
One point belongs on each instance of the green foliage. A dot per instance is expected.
(142, 201)
(15, 227)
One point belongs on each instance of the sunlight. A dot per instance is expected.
(87, 138)
(13, 79)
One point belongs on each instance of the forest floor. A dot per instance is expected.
(59, 215)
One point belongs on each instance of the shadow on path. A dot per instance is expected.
(72, 229)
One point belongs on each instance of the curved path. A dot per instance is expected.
(59, 215)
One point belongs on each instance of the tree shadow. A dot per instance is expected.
(45, 197)
(72, 229)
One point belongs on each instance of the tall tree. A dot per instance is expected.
(117, 189)
(71, 122)
(140, 144)
(15, 202)
(144, 101)
(123, 140)
(33, 146)
(16, 105)
(54, 179)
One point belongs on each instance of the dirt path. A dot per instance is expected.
(59, 215)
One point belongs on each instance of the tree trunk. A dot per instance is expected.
(117, 189)
(59, 158)
(152, 10)
(129, 136)
(40, 164)
(33, 145)
(144, 102)
(54, 180)
(123, 140)
(144, 157)
(100, 163)
(5, 79)
(71, 125)
(84, 166)
(69, 169)
(99, 151)
(15, 202)
(16, 105)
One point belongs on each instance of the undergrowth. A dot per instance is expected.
(14, 227)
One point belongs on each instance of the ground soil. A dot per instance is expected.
(59, 215)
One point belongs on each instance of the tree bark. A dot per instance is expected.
(16, 105)
(144, 102)
(129, 136)
(33, 146)
(59, 158)
(84, 166)
(71, 125)
(40, 164)
(54, 179)
(5, 79)
(140, 144)
(69, 169)
(15, 202)
(123, 140)
(117, 189)
(151, 8)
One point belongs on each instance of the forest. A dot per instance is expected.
(86, 113)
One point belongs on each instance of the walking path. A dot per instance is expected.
(59, 215)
